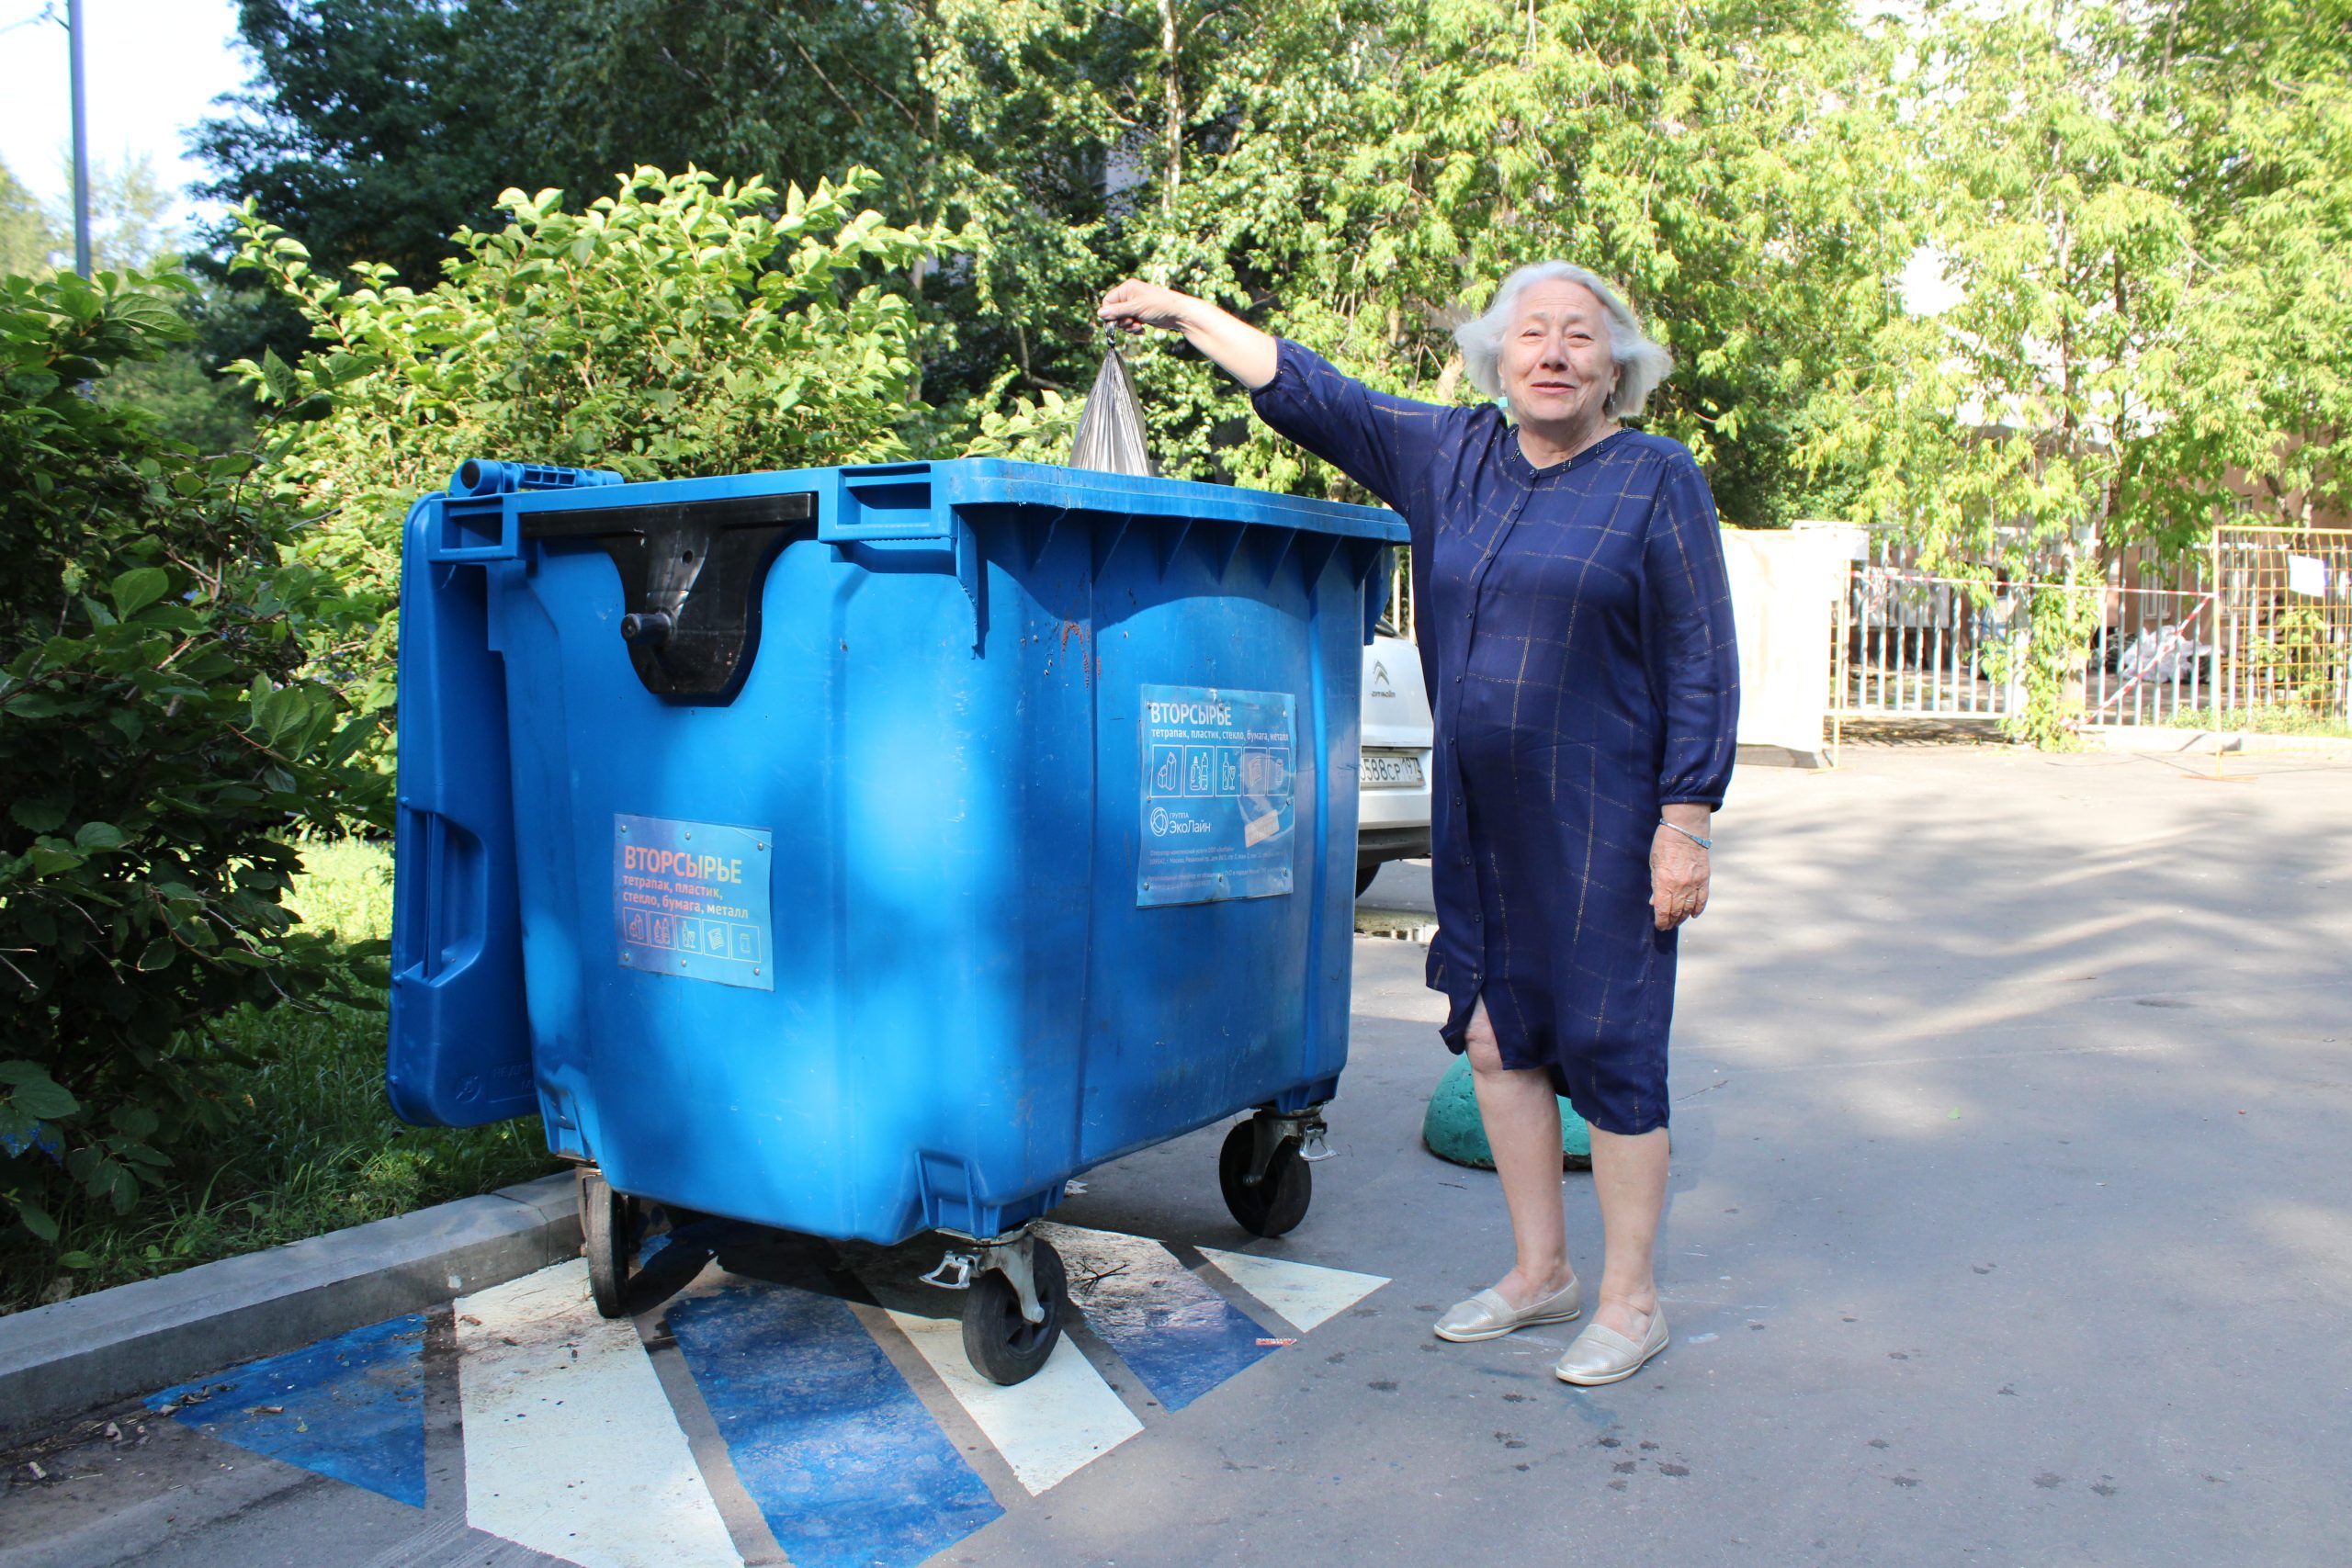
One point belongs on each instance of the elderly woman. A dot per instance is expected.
(1576, 632)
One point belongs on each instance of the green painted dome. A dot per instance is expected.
(1452, 1131)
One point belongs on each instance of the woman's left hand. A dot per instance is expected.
(1678, 876)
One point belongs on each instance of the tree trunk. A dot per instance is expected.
(1172, 101)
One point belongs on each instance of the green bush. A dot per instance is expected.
(317, 1146)
(158, 742)
(681, 326)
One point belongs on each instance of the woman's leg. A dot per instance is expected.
(1523, 1119)
(1629, 1176)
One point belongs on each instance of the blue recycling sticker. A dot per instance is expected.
(1218, 819)
(693, 899)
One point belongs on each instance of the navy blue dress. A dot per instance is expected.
(1576, 633)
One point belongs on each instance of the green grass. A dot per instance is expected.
(2271, 720)
(317, 1146)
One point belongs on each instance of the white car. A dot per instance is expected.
(1392, 806)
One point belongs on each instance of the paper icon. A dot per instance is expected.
(2307, 575)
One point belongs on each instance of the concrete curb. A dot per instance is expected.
(58, 1362)
(2162, 738)
(1762, 754)
(2255, 744)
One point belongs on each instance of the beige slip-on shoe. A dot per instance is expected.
(1604, 1356)
(1488, 1315)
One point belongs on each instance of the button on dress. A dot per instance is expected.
(1575, 627)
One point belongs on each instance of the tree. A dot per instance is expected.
(1354, 172)
(177, 386)
(373, 132)
(1361, 175)
(378, 127)
(25, 243)
(181, 388)
(130, 224)
(2148, 215)
(2256, 102)
(128, 227)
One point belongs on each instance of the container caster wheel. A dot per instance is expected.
(1273, 1201)
(608, 1239)
(1002, 1345)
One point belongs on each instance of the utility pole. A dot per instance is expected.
(80, 143)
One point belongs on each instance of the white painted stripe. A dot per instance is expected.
(1049, 1427)
(1305, 1294)
(571, 1447)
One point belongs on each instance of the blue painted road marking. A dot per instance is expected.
(847, 1466)
(572, 1449)
(351, 1408)
(1181, 1336)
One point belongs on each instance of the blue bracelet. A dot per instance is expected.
(1703, 843)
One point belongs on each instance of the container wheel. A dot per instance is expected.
(1002, 1345)
(1274, 1202)
(608, 1239)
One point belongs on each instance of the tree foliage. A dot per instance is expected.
(179, 387)
(1352, 172)
(2150, 250)
(2252, 102)
(26, 242)
(381, 125)
(1381, 168)
(158, 740)
(1758, 173)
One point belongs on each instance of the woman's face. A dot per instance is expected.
(1555, 365)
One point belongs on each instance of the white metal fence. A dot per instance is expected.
(2253, 627)
(1914, 643)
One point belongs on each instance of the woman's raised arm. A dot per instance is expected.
(1236, 346)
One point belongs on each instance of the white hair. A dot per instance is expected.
(1641, 364)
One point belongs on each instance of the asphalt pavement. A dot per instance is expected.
(2011, 1222)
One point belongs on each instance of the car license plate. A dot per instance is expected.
(1392, 771)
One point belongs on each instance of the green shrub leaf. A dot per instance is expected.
(138, 587)
(43, 1100)
(150, 314)
(278, 376)
(39, 816)
(136, 1122)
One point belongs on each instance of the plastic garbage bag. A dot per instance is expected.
(1110, 433)
(2164, 656)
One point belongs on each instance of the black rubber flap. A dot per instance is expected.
(691, 579)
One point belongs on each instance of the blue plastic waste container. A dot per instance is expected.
(864, 852)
